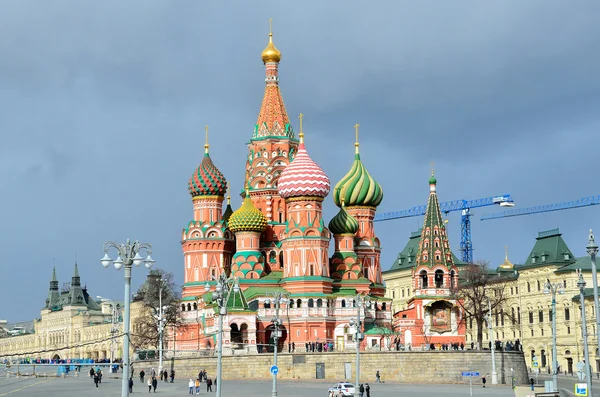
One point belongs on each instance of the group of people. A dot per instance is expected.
(194, 385)
(96, 375)
(447, 346)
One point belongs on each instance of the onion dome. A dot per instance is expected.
(303, 177)
(228, 210)
(247, 218)
(432, 180)
(343, 223)
(358, 188)
(207, 180)
(271, 53)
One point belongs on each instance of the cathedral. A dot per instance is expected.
(278, 241)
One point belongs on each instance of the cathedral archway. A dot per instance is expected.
(236, 334)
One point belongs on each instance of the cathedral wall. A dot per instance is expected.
(394, 366)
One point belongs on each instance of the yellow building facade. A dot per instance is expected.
(527, 313)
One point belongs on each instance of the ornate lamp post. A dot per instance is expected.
(278, 298)
(113, 325)
(128, 254)
(584, 334)
(361, 301)
(592, 250)
(223, 287)
(554, 288)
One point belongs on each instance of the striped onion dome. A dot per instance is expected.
(207, 180)
(247, 218)
(358, 188)
(343, 223)
(303, 177)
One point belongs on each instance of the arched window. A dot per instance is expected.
(195, 306)
(319, 302)
(299, 303)
(267, 305)
(423, 276)
(452, 278)
(311, 303)
(383, 306)
(183, 307)
(528, 287)
(189, 307)
(291, 304)
(343, 303)
(439, 278)
(538, 285)
(437, 244)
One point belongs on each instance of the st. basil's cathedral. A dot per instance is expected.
(278, 241)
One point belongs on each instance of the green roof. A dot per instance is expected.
(584, 263)
(549, 248)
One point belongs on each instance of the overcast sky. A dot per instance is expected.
(103, 107)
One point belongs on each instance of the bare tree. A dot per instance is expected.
(476, 290)
(159, 289)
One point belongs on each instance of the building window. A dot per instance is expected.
(530, 317)
(541, 316)
(538, 285)
(512, 317)
(568, 330)
(550, 315)
(403, 292)
(511, 290)
(519, 315)
(439, 277)
(528, 287)
(393, 294)
(517, 290)
(532, 333)
(502, 318)
(565, 283)
(567, 314)
(423, 275)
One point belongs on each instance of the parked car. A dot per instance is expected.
(341, 389)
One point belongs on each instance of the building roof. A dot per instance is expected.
(549, 248)
(584, 263)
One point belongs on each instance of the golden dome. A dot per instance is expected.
(271, 53)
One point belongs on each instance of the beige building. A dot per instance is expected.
(527, 313)
(71, 325)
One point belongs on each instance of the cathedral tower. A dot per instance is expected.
(361, 195)
(271, 148)
(304, 186)
(206, 242)
(76, 296)
(53, 292)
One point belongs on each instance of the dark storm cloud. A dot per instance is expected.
(103, 106)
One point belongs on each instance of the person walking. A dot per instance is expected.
(154, 383)
(92, 372)
(368, 390)
(142, 373)
(532, 383)
(198, 386)
(149, 383)
(483, 380)
(166, 373)
(172, 375)
(96, 379)
(361, 390)
(377, 377)
(191, 386)
(130, 385)
(209, 384)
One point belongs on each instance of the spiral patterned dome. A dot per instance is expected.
(207, 180)
(358, 188)
(303, 177)
(343, 223)
(247, 218)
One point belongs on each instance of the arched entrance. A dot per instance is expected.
(271, 341)
(56, 357)
(236, 334)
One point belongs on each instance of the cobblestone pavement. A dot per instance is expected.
(84, 386)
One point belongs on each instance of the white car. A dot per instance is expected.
(341, 389)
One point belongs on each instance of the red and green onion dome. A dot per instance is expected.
(247, 218)
(207, 180)
(358, 188)
(343, 223)
(303, 177)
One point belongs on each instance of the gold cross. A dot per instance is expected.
(206, 144)
(301, 117)
(270, 26)
(356, 128)
(432, 168)
(506, 251)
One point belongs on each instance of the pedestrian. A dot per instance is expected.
(377, 377)
(154, 383)
(149, 384)
(532, 383)
(191, 386)
(197, 384)
(130, 385)
(96, 379)
(142, 373)
(166, 375)
(368, 389)
(483, 380)
(152, 373)
(209, 384)
(172, 375)
(361, 390)
(92, 372)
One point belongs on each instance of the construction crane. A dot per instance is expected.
(567, 205)
(465, 206)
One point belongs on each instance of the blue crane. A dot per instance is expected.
(582, 202)
(466, 244)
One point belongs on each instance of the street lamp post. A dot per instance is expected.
(361, 301)
(278, 298)
(223, 287)
(592, 250)
(128, 254)
(492, 344)
(159, 316)
(113, 325)
(586, 353)
(554, 288)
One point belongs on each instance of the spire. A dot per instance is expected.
(434, 248)
(272, 118)
(76, 296)
(301, 135)
(206, 145)
(53, 293)
(54, 274)
(356, 144)
(228, 209)
(76, 271)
